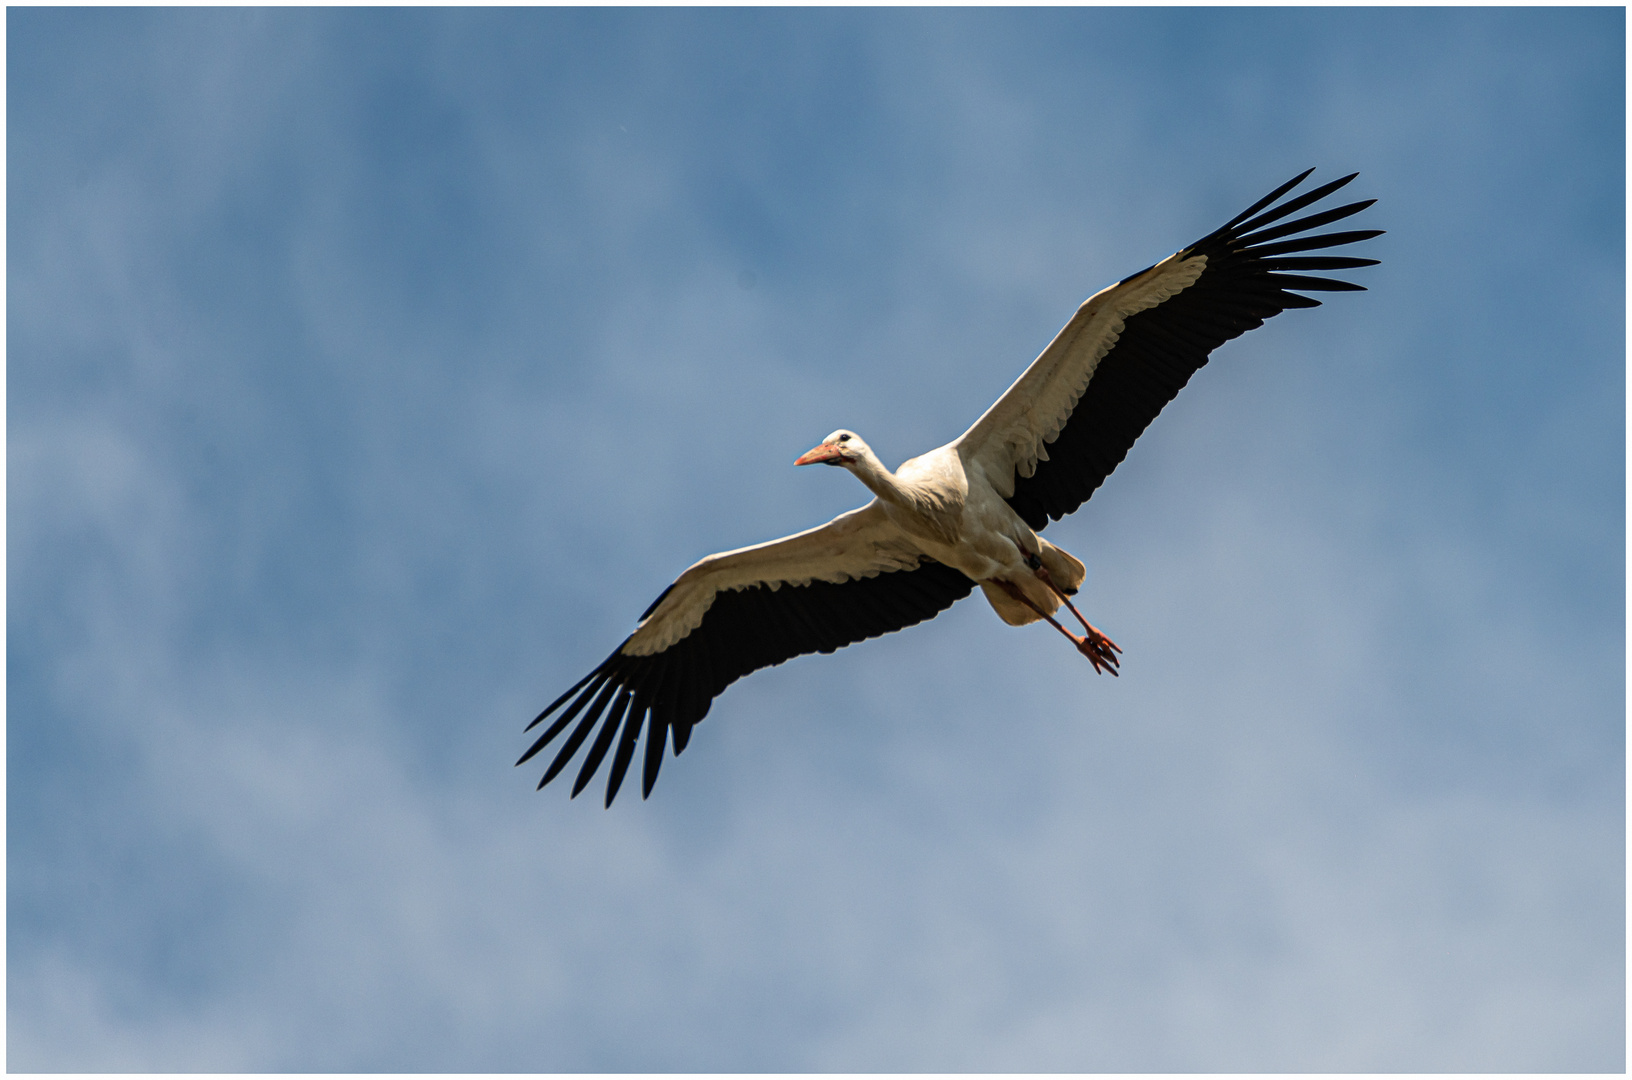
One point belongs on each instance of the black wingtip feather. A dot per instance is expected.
(556, 704)
(566, 718)
(1310, 243)
(1266, 200)
(1318, 262)
(620, 760)
(656, 736)
(1316, 284)
(579, 734)
(569, 748)
(1304, 224)
(1291, 206)
(603, 742)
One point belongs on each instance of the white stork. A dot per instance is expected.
(964, 515)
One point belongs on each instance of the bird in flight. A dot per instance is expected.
(962, 516)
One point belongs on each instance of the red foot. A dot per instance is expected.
(1100, 650)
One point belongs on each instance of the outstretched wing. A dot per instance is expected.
(856, 577)
(1071, 418)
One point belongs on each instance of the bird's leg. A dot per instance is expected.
(1102, 644)
(1094, 634)
(1093, 646)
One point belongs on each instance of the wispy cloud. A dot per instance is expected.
(370, 371)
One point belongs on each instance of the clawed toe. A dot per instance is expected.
(1095, 649)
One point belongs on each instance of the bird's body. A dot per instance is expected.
(963, 515)
(934, 506)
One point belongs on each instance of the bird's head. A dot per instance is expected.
(840, 448)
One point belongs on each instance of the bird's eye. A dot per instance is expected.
(844, 438)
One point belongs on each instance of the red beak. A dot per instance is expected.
(824, 452)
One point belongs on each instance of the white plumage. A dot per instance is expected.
(963, 515)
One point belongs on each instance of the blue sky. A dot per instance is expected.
(370, 371)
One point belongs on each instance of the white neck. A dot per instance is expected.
(871, 471)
